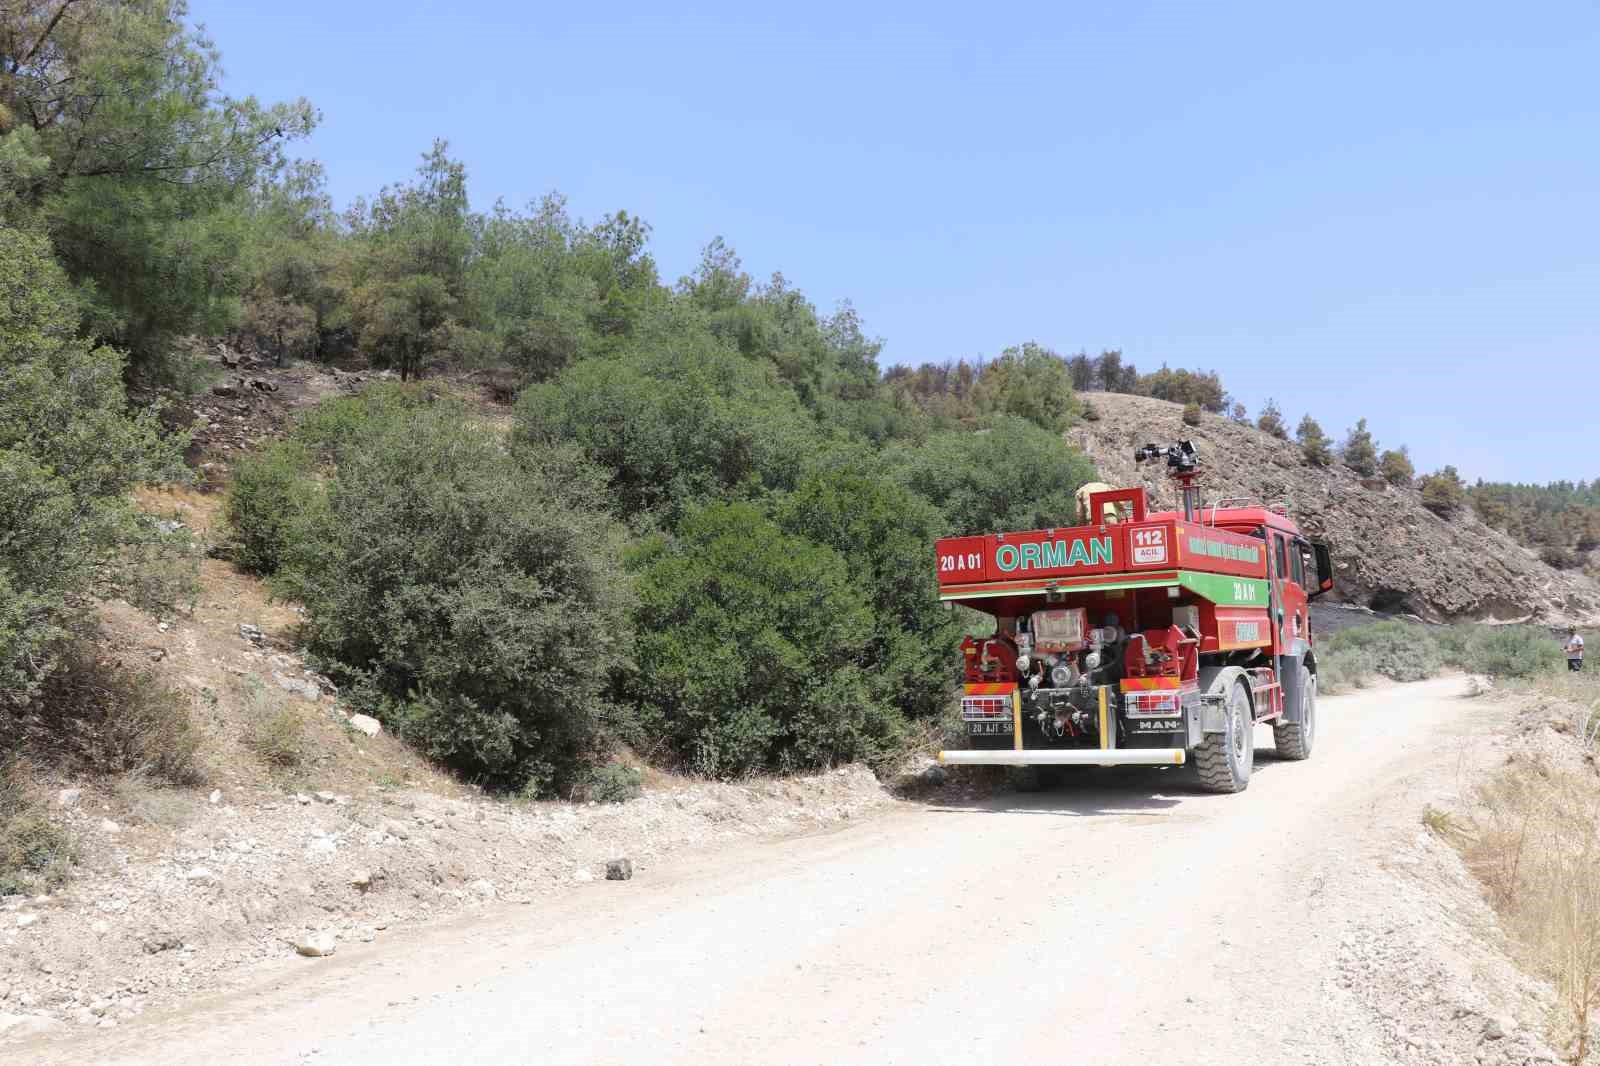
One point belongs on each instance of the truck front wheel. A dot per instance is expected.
(1294, 739)
(1223, 760)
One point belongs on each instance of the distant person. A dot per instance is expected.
(1575, 651)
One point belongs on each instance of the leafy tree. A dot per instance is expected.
(1085, 373)
(1314, 443)
(1360, 452)
(1014, 476)
(1115, 376)
(295, 298)
(1203, 388)
(1271, 420)
(1028, 381)
(751, 648)
(1240, 414)
(133, 161)
(467, 595)
(675, 420)
(1396, 468)
(1443, 493)
(884, 532)
(70, 454)
(414, 242)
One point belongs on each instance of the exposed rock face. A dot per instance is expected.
(1392, 554)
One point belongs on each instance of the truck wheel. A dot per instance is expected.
(1294, 740)
(1223, 760)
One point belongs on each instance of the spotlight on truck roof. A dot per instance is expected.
(1181, 457)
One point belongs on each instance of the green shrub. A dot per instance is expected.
(332, 425)
(750, 649)
(1408, 651)
(884, 534)
(35, 853)
(1401, 651)
(1396, 468)
(615, 783)
(1191, 414)
(1271, 420)
(1443, 493)
(685, 422)
(1509, 651)
(1013, 476)
(467, 594)
(1342, 670)
(70, 454)
(266, 506)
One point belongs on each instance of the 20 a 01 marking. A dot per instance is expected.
(949, 564)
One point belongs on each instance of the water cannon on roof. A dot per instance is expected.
(1183, 466)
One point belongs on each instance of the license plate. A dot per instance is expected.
(984, 729)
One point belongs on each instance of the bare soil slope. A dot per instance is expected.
(1393, 554)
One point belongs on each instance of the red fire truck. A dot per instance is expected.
(1140, 638)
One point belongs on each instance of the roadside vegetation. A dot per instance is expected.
(1532, 835)
(1397, 650)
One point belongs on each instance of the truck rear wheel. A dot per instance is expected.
(1294, 739)
(1223, 760)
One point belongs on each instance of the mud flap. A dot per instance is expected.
(1294, 707)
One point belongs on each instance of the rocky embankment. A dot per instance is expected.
(1392, 554)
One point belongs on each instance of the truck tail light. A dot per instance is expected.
(1153, 704)
(985, 708)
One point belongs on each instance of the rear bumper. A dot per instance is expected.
(1084, 757)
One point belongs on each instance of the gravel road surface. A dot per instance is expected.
(1123, 917)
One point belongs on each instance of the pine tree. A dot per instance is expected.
(1396, 468)
(1315, 443)
(1360, 451)
(1271, 420)
(1443, 493)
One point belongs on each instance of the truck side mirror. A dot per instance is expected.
(1324, 569)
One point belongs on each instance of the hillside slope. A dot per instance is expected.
(1392, 553)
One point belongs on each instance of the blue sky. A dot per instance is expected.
(1381, 210)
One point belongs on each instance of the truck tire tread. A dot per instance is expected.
(1211, 756)
(1293, 740)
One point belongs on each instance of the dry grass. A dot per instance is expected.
(1536, 848)
(100, 716)
(273, 730)
(34, 852)
(148, 803)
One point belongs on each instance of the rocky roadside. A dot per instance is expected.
(263, 879)
(1392, 554)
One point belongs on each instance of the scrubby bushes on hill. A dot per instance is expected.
(1410, 651)
(752, 649)
(70, 455)
(467, 593)
(1012, 476)
(674, 425)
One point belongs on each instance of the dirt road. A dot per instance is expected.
(1121, 918)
